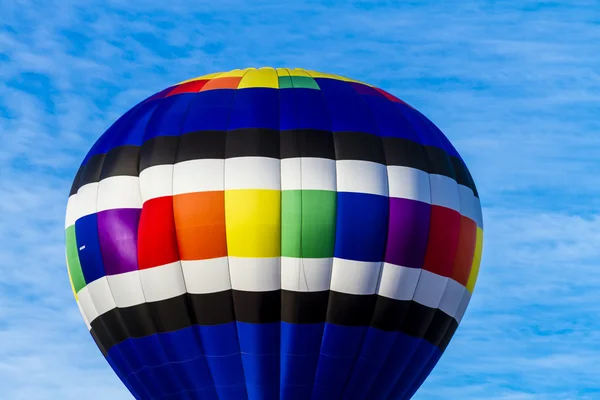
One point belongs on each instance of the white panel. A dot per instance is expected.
(252, 173)
(119, 192)
(430, 289)
(87, 323)
(468, 205)
(85, 203)
(462, 308)
(198, 176)
(444, 192)
(101, 295)
(71, 214)
(306, 274)
(355, 277)
(87, 304)
(156, 182)
(163, 282)
(452, 297)
(398, 282)
(255, 274)
(206, 276)
(362, 177)
(409, 183)
(479, 214)
(126, 289)
(308, 173)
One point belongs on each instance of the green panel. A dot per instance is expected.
(73, 260)
(285, 82)
(308, 223)
(305, 82)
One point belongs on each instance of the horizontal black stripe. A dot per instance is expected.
(307, 143)
(165, 150)
(186, 310)
(358, 146)
(121, 161)
(91, 170)
(77, 181)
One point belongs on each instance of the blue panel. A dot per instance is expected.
(119, 372)
(418, 362)
(341, 345)
(361, 227)
(195, 376)
(428, 133)
(349, 113)
(88, 246)
(255, 108)
(259, 344)
(398, 361)
(303, 109)
(125, 354)
(375, 349)
(150, 351)
(300, 347)
(131, 131)
(167, 119)
(437, 354)
(209, 110)
(390, 120)
(296, 392)
(181, 345)
(223, 356)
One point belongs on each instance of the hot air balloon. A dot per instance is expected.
(273, 234)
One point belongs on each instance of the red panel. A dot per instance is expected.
(157, 243)
(465, 251)
(442, 243)
(189, 87)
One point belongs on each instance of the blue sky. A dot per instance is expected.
(514, 84)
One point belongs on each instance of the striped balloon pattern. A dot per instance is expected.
(273, 234)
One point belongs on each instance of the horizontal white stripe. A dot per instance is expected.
(71, 213)
(355, 277)
(409, 183)
(362, 177)
(86, 200)
(306, 274)
(308, 173)
(156, 182)
(198, 176)
(162, 282)
(127, 289)
(252, 173)
(444, 192)
(206, 276)
(119, 192)
(87, 323)
(468, 204)
(430, 289)
(398, 282)
(255, 274)
(452, 297)
(87, 304)
(101, 295)
(462, 308)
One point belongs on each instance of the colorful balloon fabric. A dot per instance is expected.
(273, 234)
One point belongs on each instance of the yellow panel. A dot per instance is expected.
(316, 74)
(476, 261)
(298, 72)
(253, 222)
(264, 77)
(282, 71)
(71, 280)
(203, 77)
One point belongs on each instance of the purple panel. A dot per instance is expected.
(408, 232)
(118, 232)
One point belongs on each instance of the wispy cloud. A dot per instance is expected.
(513, 84)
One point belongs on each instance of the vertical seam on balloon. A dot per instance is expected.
(322, 92)
(235, 322)
(188, 304)
(381, 265)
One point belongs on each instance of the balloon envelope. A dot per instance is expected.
(273, 234)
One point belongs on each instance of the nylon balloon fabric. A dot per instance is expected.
(273, 234)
